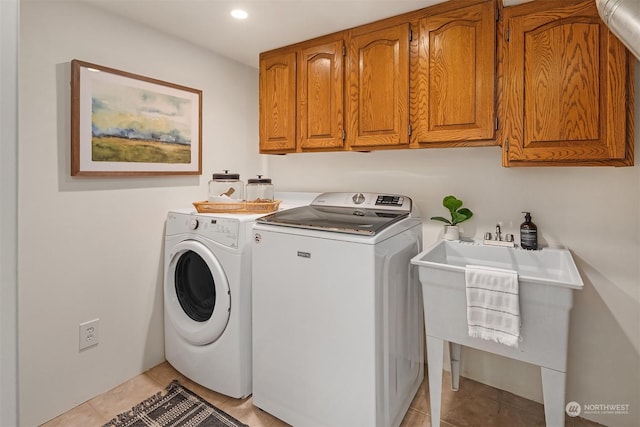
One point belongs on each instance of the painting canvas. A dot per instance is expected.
(126, 124)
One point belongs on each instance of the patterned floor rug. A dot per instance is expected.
(178, 407)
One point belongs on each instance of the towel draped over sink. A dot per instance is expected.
(493, 305)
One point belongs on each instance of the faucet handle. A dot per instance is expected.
(487, 236)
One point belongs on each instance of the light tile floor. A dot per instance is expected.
(474, 404)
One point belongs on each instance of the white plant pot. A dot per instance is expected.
(451, 232)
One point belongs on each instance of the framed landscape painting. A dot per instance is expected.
(123, 124)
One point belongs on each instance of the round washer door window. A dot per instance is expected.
(196, 290)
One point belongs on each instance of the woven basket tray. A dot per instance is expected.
(237, 207)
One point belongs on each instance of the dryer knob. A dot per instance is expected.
(358, 198)
(193, 224)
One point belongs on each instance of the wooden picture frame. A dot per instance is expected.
(123, 124)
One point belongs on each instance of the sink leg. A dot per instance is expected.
(454, 366)
(553, 391)
(435, 359)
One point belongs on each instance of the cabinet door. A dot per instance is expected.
(568, 95)
(378, 112)
(455, 81)
(278, 103)
(321, 87)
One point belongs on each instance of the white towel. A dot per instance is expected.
(493, 306)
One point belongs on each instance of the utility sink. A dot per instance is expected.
(547, 279)
(553, 267)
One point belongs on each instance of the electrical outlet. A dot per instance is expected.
(89, 333)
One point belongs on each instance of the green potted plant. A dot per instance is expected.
(458, 215)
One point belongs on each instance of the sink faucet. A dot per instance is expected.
(508, 242)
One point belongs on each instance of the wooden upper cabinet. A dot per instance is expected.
(320, 96)
(378, 76)
(278, 102)
(454, 83)
(567, 94)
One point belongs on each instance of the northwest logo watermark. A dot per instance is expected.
(574, 409)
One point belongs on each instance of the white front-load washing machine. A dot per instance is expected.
(207, 299)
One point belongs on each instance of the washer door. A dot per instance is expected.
(196, 292)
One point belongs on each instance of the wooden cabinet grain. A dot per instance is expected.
(363, 101)
(454, 82)
(301, 97)
(307, 82)
(559, 83)
(320, 96)
(567, 88)
(378, 104)
(277, 100)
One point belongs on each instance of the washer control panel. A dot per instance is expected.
(394, 202)
(221, 230)
(224, 231)
(389, 200)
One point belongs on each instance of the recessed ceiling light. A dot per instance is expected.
(239, 14)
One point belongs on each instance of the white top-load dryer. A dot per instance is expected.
(337, 311)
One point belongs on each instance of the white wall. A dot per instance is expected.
(8, 212)
(593, 211)
(92, 247)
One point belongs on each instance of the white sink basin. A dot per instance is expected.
(547, 266)
(547, 279)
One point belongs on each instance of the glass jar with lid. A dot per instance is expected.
(259, 190)
(226, 188)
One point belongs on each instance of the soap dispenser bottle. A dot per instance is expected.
(528, 233)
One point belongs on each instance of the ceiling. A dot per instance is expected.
(271, 23)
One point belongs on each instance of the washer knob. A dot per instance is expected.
(358, 198)
(193, 224)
